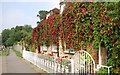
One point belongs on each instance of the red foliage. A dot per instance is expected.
(53, 32)
(107, 18)
(68, 46)
(91, 26)
(64, 56)
(83, 10)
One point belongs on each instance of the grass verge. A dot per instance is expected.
(4, 52)
(18, 53)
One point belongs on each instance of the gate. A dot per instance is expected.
(83, 63)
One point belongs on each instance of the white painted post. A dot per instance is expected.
(72, 65)
(67, 69)
(100, 63)
(109, 69)
(23, 54)
(35, 59)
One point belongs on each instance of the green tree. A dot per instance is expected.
(0, 39)
(41, 15)
(14, 35)
(5, 36)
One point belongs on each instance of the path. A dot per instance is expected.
(14, 64)
(0, 65)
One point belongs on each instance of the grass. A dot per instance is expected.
(18, 53)
(4, 52)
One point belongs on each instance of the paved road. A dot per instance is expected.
(14, 64)
(0, 65)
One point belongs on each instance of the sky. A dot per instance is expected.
(18, 13)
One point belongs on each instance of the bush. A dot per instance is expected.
(4, 52)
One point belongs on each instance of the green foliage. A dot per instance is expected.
(5, 36)
(32, 49)
(4, 52)
(14, 35)
(0, 39)
(27, 41)
(83, 23)
(47, 43)
(18, 53)
(65, 61)
(102, 71)
(96, 23)
(42, 14)
(51, 58)
(10, 41)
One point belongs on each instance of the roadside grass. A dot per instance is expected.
(18, 53)
(4, 52)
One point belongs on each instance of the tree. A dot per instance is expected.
(10, 41)
(14, 35)
(5, 36)
(0, 39)
(41, 15)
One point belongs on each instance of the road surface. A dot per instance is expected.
(0, 65)
(14, 64)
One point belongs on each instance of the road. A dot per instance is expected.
(14, 64)
(0, 65)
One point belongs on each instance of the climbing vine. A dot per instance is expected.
(82, 23)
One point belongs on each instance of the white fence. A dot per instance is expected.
(51, 66)
(47, 65)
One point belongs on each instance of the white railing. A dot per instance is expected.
(51, 66)
(46, 65)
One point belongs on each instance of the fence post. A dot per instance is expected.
(109, 69)
(23, 54)
(72, 65)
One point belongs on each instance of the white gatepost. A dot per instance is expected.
(100, 61)
(108, 67)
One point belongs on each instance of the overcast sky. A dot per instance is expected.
(13, 12)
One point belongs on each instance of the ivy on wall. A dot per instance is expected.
(82, 23)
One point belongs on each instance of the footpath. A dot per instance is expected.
(14, 64)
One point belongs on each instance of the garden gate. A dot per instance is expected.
(83, 63)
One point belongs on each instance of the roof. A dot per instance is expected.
(55, 10)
